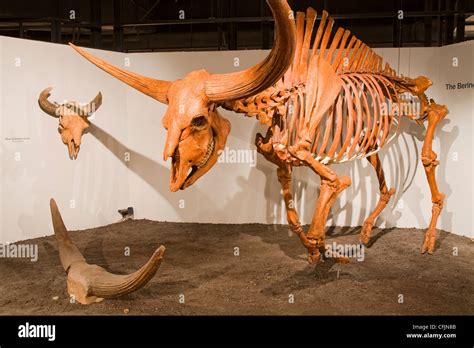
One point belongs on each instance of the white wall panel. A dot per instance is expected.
(128, 126)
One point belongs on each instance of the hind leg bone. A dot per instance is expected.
(385, 195)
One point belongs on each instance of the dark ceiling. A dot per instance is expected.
(176, 25)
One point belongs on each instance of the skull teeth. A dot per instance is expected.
(210, 150)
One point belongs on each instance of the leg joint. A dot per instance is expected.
(385, 197)
(438, 202)
(428, 158)
(284, 176)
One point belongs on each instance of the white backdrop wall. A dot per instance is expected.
(35, 163)
(120, 163)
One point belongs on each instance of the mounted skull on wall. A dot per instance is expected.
(73, 118)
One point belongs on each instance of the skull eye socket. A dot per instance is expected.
(199, 121)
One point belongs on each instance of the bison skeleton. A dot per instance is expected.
(324, 101)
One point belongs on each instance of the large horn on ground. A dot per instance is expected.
(93, 106)
(90, 283)
(156, 89)
(221, 87)
(45, 104)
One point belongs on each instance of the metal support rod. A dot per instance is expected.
(265, 28)
(428, 22)
(219, 14)
(21, 30)
(56, 31)
(460, 20)
(440, 24)
(232, 26)
(398, 25)
(96, 28)
(118, 30)
(449, 24)
(56, 24)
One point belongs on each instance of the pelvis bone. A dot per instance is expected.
(73, 118)
(88, 283)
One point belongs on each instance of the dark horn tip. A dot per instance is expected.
(47, 90)
(52, 203)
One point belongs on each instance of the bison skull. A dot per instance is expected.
(73, 119)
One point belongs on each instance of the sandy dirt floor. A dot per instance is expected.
(269, 276)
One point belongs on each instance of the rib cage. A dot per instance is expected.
(354, 124)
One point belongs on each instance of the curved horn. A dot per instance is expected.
(93, 106)
(221, 87)
(68, 251)
(45, 104)
(91, 283)
(156, 89)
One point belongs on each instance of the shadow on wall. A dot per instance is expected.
(399, 172)
(447, 140)
(150, 171)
